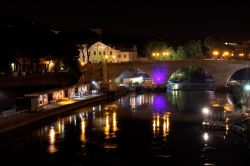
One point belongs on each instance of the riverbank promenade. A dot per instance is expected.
(14, 120)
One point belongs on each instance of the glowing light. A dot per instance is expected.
(82, 63)
(165, 53)
(51, 63)
(52, 136)
(158, 121)
(247, 87)
(215, 53)
(83, 127)
(241, 54)
(205, 111)
(159, 103)
(228, 107)
(114, 122)
(154, 126)
(166, 125)
(66, 102)
(216, 105)
(106, 57)
(153, 54)
(59, 127)
(226, 53)
(159, 75)
(107, 127)
(205, 136)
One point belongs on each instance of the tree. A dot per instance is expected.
(210, 44)
(155, 46)
(180, 53)
(194, 49)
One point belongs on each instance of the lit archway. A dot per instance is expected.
(190, 77)
(239, 77)
(134, 78)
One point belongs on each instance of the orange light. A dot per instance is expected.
(215, 53)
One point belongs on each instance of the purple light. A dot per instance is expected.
(159, 75)
(159, 104)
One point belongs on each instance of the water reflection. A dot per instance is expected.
(110, 128)
(159, 103)
(161, 125)
(142, 123)
(107, 126)
(52, 136)
(135, 101)
(83, 127)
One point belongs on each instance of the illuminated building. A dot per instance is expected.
(100, 52)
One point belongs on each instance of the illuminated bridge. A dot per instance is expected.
(160, 71)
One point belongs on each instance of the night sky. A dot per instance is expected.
(226, 20)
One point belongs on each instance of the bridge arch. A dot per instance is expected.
(132, 77)
(192, 74)
(221, 71)
(239, 76)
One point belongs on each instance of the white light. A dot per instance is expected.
(206, 136)
(247, 87)
(205, 110)
(176, 86)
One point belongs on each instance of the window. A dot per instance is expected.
(100, 53)
(110, 52)
(103, 52)
(125, 56)
(89, 53)
(119, 56)
(94, 52)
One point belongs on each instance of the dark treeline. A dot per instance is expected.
(29, 41)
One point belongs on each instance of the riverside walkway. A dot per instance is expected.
(14, 120)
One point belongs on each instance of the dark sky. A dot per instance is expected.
(229, 20)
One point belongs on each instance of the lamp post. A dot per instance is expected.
(165, 54)
(205, 112)
(215, 53)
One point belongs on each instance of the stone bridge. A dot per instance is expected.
(160, 71)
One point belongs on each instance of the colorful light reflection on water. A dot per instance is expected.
(159, 103)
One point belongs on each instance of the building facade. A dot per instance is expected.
(100, 52)
(83, 53)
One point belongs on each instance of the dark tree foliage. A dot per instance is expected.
(28, 40)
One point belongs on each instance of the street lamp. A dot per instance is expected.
(205, 112)
(165, 54)
(215, 53)
(225, 54)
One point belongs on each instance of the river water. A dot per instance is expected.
(136, 129)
